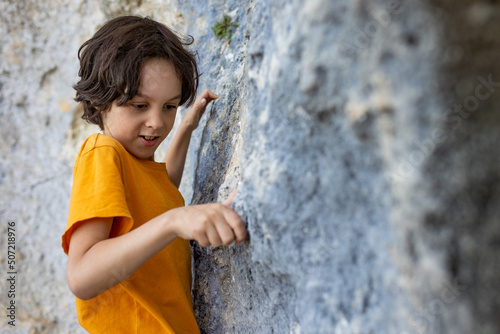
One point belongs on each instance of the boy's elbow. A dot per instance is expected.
(81, 292)
(78, 287)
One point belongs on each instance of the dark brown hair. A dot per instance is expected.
(110, 63)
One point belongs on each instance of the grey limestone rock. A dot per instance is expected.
(361, 136)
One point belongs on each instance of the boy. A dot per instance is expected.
(126, 238)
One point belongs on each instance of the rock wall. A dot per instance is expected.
(360, 135)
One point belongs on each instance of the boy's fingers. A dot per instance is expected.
(241, 233)
(203, 240)
(199, 106)
(205, 98)
(222, 227)
(235, 222)
(229, 199)
(208, 96)
(213, 236)
(225, 233)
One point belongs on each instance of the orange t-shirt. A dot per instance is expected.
(110, 182)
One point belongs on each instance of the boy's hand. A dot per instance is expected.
(193, 116)
(209, 224)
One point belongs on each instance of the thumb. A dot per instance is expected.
(227, 202)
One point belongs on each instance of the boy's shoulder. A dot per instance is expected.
(98, 140)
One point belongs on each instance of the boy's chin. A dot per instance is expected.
(143, 156)
(151, 158)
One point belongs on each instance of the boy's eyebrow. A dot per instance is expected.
(177, 97)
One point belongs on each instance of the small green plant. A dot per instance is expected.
(223, 28)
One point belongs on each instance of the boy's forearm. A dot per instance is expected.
(96, 263)
(176, 155)
(177, 152)
(110, 261)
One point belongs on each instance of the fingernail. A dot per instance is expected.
(203, 101)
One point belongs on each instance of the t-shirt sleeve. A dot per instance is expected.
(98, 192)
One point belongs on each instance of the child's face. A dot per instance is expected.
(142, 123)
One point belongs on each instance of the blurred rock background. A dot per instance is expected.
(362, 136)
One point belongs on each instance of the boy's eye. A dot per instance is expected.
(170, 107)
(139, 106)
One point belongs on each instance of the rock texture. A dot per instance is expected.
(361, 136)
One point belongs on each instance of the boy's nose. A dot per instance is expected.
(154, 119)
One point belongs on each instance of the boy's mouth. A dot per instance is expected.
(149, 140)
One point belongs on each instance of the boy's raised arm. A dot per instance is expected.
(176, 154)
